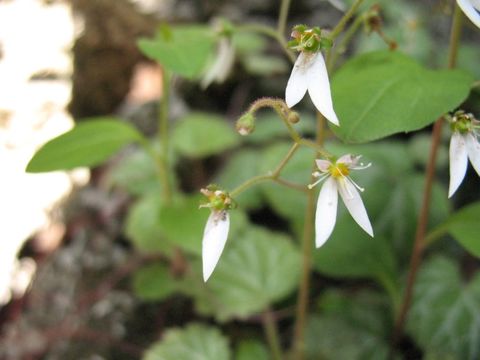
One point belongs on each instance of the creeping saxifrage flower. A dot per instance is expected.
(310, 72)
(337, 180)
(464, 145)
(216, 230)
(471, 8)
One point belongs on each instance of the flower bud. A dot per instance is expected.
(246, 124)
(293, 117)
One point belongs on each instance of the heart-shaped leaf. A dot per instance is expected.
(382, 93)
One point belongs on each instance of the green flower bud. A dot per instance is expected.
(246, 124)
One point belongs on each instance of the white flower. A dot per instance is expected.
(310, 73)
(471, 9)
(214, 239)
(464, 145)
(220, 68)
(337, 180)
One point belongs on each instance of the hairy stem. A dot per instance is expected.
(422, 222)
(162, 159)
(282, 17)
(343, 21)
(271, 332)
(307, 248)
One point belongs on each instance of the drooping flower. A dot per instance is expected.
(337, 180)
(310, 72)
(471, 8)
(216, 230)
(464, 145)
(221, 66)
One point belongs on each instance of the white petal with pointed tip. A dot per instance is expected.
(298, 82)
(214, 238)
(473, 149)
(354, 204)
(471, 9)
(458, 162)
(326, 214)
(319, 88)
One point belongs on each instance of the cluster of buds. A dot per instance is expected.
(464, 145)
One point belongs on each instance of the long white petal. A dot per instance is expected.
(298, 82)
(473, 149)
(319, 88)
(471, 9)
(214, 238)
(354, 204)
(458, 162)
(326, 214)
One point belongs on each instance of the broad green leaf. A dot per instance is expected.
(251, 350)
(89, 143)
(195, 341)
(153, 282)
(183, 223)
(242, 166)
(256, 269)
(203, 134)
(352, 253)
(265, 65)
(248, 43)
(464, 225)
(185, 50)
(445, 312)
(350, 327)
(136, 173)
(143, 225)
(382, 93)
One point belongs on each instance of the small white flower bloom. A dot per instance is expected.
(310, 73)
(471, 8)
(214, 239)
(216, 230)
(220, 68)
(464, 145)
(337, 180)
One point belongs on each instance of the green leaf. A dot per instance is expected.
(242, 166)
(445, 312)
(251, 350)
(153, 282)
(195, 341)
(257, 268)
(203, 134)
(464, 225)
(87, 144)
(351, 253)
(143, 225)
(382, 93)
(352, 326)
(265, 65)
(185, 51)
(136, 173)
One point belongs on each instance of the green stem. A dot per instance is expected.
(268, 31)
(420, 240)
(272, 176)
(163, 135)
(307, 249)
(342, 46)
(343, 21)
(271, 332)
(282, 17)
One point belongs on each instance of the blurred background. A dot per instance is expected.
(66, 249)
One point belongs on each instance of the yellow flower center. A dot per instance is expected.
(339, 170)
